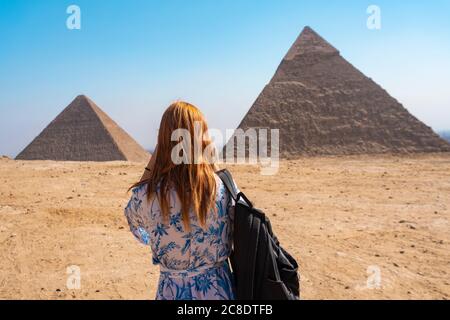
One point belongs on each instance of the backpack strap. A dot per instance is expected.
(228, 181)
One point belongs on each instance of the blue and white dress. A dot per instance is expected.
(193, 263)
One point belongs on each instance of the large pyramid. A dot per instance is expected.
(322, 105)
(83, 132)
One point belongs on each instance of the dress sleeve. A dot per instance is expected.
(137, 213)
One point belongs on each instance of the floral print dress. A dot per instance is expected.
(193, 264)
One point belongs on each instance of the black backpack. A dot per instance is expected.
(262, 269)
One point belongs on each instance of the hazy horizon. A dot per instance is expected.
(134, 58)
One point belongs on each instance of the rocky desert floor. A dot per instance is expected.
(366, 227)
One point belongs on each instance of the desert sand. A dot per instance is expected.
(343, 218)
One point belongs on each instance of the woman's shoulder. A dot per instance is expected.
(140, 189)
(140, 192)
(221, 190)
(219, 183)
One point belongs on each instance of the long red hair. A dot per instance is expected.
(194, 183)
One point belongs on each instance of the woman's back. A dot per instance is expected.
(182, 210)
(193, 260)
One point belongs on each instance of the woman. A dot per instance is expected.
(184, 213)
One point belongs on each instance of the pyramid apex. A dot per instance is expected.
(82, 101)
(82, 97)
(309, 41)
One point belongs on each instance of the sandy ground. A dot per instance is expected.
(360, 227)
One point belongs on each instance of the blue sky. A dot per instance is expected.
(134, 57)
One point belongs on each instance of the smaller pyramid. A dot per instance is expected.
(83, 132)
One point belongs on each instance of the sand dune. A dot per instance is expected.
(343, 218)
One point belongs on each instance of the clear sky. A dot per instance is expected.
(133, 57)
